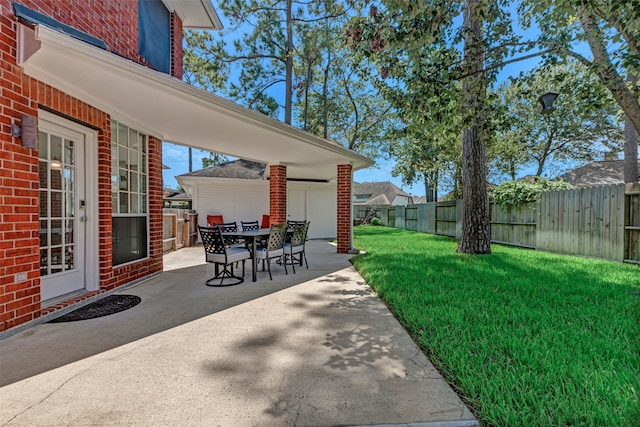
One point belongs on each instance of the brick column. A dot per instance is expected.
(278, 194)
(345, 173)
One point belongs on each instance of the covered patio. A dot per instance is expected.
(173, 111)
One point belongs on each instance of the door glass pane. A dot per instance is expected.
(69, 261)
(43, 174)
(44, 203)
(56, 179)
(58, 199)
(69, 206)
(44, 262)
(69, 232)
(56, 232)
(69, 179)
(44, 235)
(69, 153)
(56, 148)
(56, 204)
(43, 145)
(56, 260)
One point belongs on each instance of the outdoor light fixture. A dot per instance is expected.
(546, 101)
(56, 164)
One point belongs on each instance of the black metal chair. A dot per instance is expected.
(297, 246)
(290, 225)
(274, 247)
(250, 225)
(230, 227)
(219, 253)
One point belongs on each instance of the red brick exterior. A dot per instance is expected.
(115, 22)
(278, 194)
(176, 46)
(344, 208)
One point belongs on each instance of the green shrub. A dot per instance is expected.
(375, 221)
(511, 194)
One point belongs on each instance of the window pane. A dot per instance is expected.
(124, 202)
(129, 239)
(123, 136)
(123, 155)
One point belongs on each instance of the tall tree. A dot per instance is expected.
(475, 236)
(297, 46)
(609, 28)
(582, 126)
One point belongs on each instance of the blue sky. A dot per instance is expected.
(176, 157)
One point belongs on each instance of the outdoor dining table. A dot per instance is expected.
(253, 236)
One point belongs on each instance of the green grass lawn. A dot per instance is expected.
(526, 338)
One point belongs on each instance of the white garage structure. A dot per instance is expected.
(239, 191)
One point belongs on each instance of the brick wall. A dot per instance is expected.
(278, 194)
(344, 208)
(116, 24)
(176, 46)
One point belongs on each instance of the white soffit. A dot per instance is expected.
(174, 111)
(195, 14)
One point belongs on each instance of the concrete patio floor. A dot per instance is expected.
(312, 349)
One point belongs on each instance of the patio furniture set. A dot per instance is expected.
(226, 245)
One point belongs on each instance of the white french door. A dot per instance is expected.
(62, 210)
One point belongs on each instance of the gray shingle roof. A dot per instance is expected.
(596, 173)
(243, 169)
(376, 189)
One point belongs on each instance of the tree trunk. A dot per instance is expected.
(606, 71)
(325, 98)
(288, 64)
(475, 237)
(630, 143)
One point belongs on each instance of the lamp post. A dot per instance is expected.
(546, 101)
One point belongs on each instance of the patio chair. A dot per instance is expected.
(274, 247)
(230, 227)
(297, 246)
(218, 253)
(213, 220)
(290, 225)
(250, 225)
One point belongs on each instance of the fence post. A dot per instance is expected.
(632, 223)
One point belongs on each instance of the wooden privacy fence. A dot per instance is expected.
(179, 228)
(601, 222)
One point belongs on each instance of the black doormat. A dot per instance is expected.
(103, 307)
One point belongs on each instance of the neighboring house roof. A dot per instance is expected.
(178, 196)
(242, 169)
(379, 200)
(376, 189)
(596, 173)
(173, 111)
(419, 199)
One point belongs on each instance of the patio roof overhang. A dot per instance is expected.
(174, 111)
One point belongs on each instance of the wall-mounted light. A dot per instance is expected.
(546, 101)
(27, 131)
(55, 164)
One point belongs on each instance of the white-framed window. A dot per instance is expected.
(129, 193)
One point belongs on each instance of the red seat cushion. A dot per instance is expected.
(214, 219)
(266, 223)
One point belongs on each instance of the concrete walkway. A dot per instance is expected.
(312, 349)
